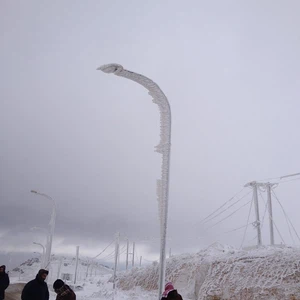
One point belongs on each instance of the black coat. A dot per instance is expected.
(4, 283)
(173, 295)
(35, 289)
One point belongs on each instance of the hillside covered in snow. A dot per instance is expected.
(61, 267)
(218, 272)
(222, 272)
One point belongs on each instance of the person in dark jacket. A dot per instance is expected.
(63, 291)
(36, 289)
(170, 293)
(4, 282)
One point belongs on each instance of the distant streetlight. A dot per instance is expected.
(51, 228)
(43, 255)
(45, 231)
(164, 148)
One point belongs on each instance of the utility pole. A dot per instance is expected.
(59, 267)
(76, 265)
(116, 259)
(254, 185)
(92, 266)
(269, 189)
(133, 248)
(140, 261)
(87, 269)
(170, 253)
(127, 254)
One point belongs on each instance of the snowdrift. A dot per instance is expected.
(222, 272)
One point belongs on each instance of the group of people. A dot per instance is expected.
(37, 289)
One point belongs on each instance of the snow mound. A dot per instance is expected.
(222, 272)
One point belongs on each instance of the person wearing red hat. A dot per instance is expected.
(170, 293)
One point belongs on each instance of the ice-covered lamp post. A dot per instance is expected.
(164, 148)
(51, 229)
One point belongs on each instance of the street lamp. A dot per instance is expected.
(51, 228)
(43, 256)
(47, 235)
(164, 148)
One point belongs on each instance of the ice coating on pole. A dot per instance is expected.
(164, 148)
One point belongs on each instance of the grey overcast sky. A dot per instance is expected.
(231, 72)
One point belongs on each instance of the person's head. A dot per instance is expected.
(57, 285)
(169, 287)
(42, 275)
(2, 269)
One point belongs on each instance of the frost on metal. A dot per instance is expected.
(163, 148)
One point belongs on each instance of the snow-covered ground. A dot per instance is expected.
(218, 272)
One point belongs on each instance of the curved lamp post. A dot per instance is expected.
(51, 229)
(164, 148)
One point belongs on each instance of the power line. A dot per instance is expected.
(109, 255)
(273, 220)
(229, 215)
(286, 219)
(290, 175)
(103, 250)
(247, 222)
(235, 229)
(277, 230)
(112, 254)
(281, 177)
(289, 180)
(227, 208)
(222, 205)
(286, 215)
(273, 178)
(123, 250)
(253, 238)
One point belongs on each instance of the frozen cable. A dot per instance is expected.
(222, 205)
(277, 229)
(123, 250)
(247, 223)
(289, 180)
(288, 219)
(230, 215)
(227, 207)
(103, 250)
(109, 255)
